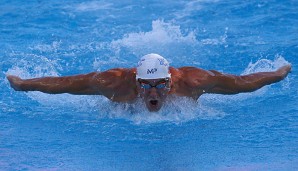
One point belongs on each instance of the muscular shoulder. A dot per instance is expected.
(193, 76)
(117, 72)
(115, 77)
(118, 84)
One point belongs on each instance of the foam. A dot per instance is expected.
(216, 41)
(33, 66)
(265, 65)
(47, 47)
(176, 110)
(167, 39)
(162, 36)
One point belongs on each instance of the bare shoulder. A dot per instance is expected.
(191, 81)
(118, 84)
(115, 76)
(194, 71)
(193, 76)
(117, 72)
(186, 70)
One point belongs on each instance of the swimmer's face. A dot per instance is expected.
(154, 92)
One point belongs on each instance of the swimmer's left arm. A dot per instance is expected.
(232, 84)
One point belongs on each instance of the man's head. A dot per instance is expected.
(153, 80)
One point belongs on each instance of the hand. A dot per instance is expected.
(15, 82)
(284, 70)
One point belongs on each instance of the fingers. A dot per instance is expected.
(287, 67)
(12, 78)
(15, 82)
(284, 70)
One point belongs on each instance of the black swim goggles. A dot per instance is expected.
(163, 83)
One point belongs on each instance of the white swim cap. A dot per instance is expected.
(153, 66)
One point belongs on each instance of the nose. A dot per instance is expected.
(153, 92)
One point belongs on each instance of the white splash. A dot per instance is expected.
(175, 110)
(216, 41)
(34, 66)
(162, 36)
(53, 47)
(264, 65)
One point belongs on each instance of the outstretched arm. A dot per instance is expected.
(78, 84)
(95, 83)
(231, 84)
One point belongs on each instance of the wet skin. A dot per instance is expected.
(154, 92)
(120, 84)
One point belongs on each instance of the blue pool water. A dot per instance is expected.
(249, 131)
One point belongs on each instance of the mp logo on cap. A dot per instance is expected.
(151, 71)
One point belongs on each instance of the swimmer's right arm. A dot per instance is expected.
(95, 83)
(78, 84)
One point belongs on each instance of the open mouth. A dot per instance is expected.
(153, 102)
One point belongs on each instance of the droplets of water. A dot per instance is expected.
(162, 36)
(30, 65)
(52, 48)
(217, 41)
(265, 65)
(175, 110)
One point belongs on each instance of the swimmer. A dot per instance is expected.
(152, 80)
